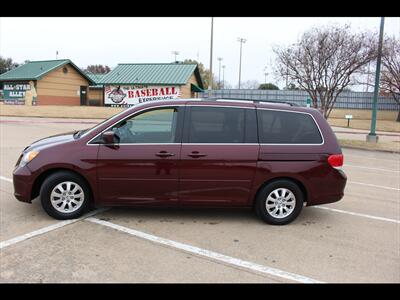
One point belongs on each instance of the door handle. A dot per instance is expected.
(164, 154)
(196, 154)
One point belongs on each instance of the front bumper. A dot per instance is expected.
(23, 182)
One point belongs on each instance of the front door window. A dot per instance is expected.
(156, 127)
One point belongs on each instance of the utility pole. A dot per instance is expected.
(219, 72)
(175, 53)
(241, 41)
(372, 137)
(223, 76)
(210, 85)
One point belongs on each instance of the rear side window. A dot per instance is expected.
(279, 127)
(216, 125)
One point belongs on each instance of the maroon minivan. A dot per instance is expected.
(216, 153)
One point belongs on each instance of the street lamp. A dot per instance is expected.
(211, 55)
(175, 53)
(265, 75)
(219, 72)
(223, 76)
(241, 41)
(372, 137)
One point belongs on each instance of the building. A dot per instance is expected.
(130, 84)
(50, 82)
(96, 92)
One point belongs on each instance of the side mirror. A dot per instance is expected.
(110, 138)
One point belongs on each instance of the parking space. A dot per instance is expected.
(354, 240)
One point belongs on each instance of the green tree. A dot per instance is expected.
(268, 86)
(205, 74)
(7, 64)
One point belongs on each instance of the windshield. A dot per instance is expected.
(89, 130)
(84, 132)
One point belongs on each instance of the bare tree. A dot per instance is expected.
(324, 62)
(249, 85)
(390, 74)
(97, 69)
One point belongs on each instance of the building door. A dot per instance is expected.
(83, 94)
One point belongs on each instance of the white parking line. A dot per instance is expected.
(47, 229)
(6, 179)
(358, 214)
(367, 168)
(373, 185)
(207, 253)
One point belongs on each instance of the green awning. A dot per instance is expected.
(195, 88)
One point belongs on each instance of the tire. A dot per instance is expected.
(273, 195)
(75, 204)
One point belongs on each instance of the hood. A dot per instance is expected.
(52, 140)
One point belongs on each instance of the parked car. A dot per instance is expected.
(275, 158)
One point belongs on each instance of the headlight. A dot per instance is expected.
(28, 156)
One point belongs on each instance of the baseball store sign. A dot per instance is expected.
(121, 96)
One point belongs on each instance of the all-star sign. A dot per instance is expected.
(121, 96)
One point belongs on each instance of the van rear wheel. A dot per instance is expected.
(279, 202)
(64, 195)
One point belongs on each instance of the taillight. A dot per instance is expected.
(336, 160)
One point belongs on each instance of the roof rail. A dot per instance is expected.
(252, 100)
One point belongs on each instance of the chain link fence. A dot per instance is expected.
(346, 100)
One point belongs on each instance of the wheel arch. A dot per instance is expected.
(45, 174)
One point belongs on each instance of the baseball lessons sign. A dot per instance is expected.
(122, 96)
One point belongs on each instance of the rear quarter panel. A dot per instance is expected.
(304, 163)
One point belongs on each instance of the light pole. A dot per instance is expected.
(265, 75)
(241, 41)
(211, 55)
(223, 76)
(175, 53)
(372, 137)
(219, 72)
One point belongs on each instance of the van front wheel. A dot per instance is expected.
(279, 202)
(64, 195)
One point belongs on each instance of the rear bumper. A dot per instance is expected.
(331, 191)
(22, 181)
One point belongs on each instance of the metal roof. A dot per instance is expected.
(35, 70)
(157, 74)
(96, 79)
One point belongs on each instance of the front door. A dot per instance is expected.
(143, 167)
(219, 156)
(83, 94)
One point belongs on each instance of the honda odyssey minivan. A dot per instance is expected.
(275, 158)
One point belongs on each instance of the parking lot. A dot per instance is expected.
(354, 240)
